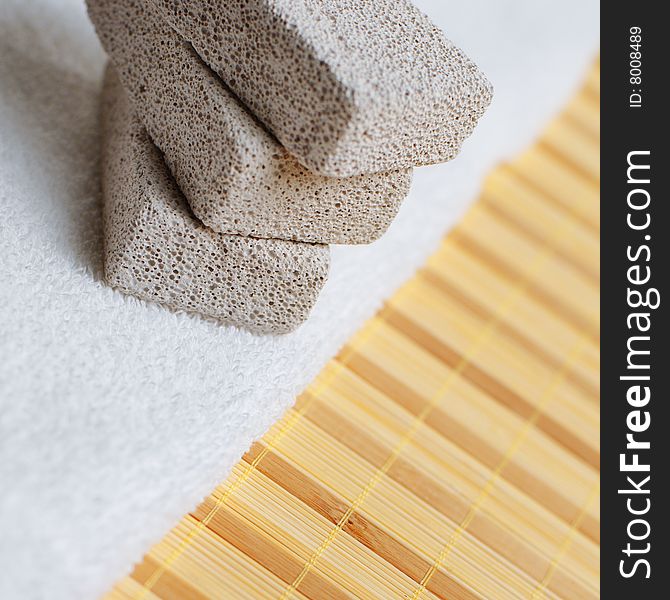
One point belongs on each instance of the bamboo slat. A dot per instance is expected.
(452, 449)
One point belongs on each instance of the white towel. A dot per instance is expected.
(118, 416)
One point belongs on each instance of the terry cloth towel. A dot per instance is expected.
(117, 416)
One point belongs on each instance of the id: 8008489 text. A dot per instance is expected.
(635, 67)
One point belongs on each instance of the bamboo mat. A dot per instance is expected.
(451, 450)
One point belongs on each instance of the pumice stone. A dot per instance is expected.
(234, 173)
(156, 250)
(347, 86)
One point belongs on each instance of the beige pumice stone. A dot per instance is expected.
(156, 250)
(235, 175)
(347, 86)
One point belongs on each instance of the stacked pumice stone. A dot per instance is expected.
(157, 250)
(280, 126)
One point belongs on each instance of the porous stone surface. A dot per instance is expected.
(156, 250)
(232, 170)
(347, 86)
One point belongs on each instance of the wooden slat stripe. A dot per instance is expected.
(451, 450)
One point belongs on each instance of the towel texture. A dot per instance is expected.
(117, 416)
